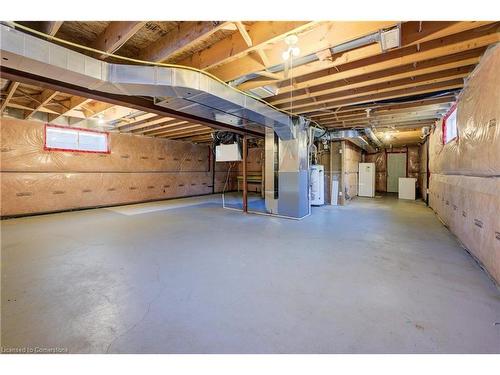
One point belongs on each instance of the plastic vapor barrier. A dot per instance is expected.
(352, 158)
(137, 169)
(380, 160)
(422, 176)
(464, 182)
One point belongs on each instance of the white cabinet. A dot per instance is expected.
(366, 180)
(407, 188)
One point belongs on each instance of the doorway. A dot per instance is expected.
(396, 168)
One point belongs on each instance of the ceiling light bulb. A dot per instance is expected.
(285, 55)
(101, 121)
(295, 51)
(291, 39)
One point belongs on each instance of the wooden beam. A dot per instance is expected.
(441, 86)
(10, 92)
(187, 131)
(165, 126)
(72, 104)
(50, 27)
(138, 103)
(388, 107)
(42, 99)
(372, 122)
(244, 33)
(422, 31)
(179, 39)
(139, 119)
(176, 128)
(412, 39)
(189, 134)
(456, 43)
(234, 47)
(323, 36)
(414, 123)
(116, 35)
(263, 57)
(148, 124)
(374, 114)
(168, 127)
(409, 70)
(389, 85)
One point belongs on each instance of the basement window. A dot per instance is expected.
(61, 138)
(450, 131)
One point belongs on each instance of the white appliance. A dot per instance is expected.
(366, 180)
(229, 152)
(317, 187)
(407, 188)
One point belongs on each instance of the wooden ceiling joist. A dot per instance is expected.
(234, 48)
(116, 35)
(338, 61)
(322, 36)
(453, 44)
(424, 89)
(388, 107)
(43, 99)
(50, 27)
(181, 38)
(396, 124)
(179, 125)
(138, 126)
(409, 70)
(186, 129)
(189, 134)
(138, 119)
(382, 114)
(173, 123)
(403, 83)
(10, 93)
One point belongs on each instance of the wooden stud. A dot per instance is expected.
(116, 35)
(10, 92)
(181, 38)
(234, 47)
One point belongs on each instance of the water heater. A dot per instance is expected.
(317, 184)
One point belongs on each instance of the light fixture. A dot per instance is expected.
(293, 50)
(100, 120)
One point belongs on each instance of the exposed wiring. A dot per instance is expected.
(138, 61)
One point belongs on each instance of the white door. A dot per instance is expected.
(396, 167)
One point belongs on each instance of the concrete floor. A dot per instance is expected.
(376, 276)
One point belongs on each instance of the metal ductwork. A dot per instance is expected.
(352, 135)
(372, 137)
(180, 89)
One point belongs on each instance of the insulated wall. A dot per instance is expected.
(422, 175)
(137, 169)
(255, 165)
(351, 160)
(380, 160)
(465, 173)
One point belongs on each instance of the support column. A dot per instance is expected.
(245, 185)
